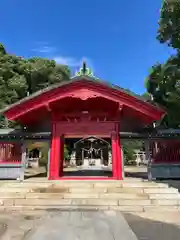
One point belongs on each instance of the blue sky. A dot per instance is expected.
(117, 37)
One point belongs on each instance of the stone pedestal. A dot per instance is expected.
(86, 162)
(90, 163)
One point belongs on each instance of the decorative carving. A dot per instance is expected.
(84, 94)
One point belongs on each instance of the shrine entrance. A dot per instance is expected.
(94, 152)
(82, 148)
(88, 156)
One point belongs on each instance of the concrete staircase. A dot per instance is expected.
(127, 195)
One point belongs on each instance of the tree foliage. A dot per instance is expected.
(163, 82)
(169, 23)
(129, 147)
(20, 77)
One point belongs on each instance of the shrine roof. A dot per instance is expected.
(91, 79)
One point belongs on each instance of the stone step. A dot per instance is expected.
(86, 196)
(164, 196)
(123, 196)
(124, 190)
(15, 195)
(161, 208)
(94, 208)
(86, 184)
(88, 188)
(145, 185)
(160, 190)
(173, 199)
(14, 190)
(165, 202)
(56, 189)
(126, 195)
(134, 202)
(72, 207)
(69, 202)
(77, 202)
(57, 202)
(59, 189)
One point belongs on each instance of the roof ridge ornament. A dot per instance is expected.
(84, 71)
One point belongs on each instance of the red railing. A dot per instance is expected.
(10, 153)
(167, 151)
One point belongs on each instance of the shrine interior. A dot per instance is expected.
(89, 156)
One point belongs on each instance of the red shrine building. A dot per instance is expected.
(84, 112)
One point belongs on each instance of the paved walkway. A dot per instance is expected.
(38, 225)
(82, 225)
(77, 225)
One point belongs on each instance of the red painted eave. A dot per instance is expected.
(42, 99)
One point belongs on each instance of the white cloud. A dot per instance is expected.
(50, 52)
(73, 62)
(69, 61)
(44, 49)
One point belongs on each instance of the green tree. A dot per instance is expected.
(2, 49)
(129, 148)
(169, 23)
(20, 77)
(163, 82)
(40, 73)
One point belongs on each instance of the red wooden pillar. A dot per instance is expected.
(55, 154)
(61, 160)
(119, 159)
(116, 155)
(119, 153)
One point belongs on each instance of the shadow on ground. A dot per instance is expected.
(38, 175)
(88, 173)
(146, 229)
(142, 175)
(77, 173)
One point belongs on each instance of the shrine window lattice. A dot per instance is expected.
(10, 153)
(165, 151)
